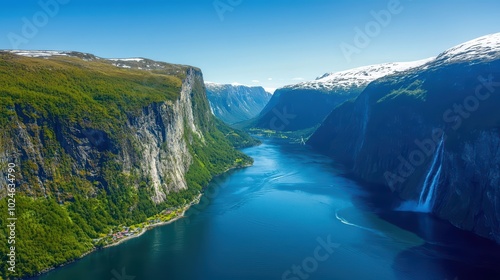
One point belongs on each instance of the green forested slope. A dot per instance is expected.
(62, 209)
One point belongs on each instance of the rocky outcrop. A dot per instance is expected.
(157, 146)
(159, 132)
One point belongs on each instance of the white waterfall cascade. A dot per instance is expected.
(427, 196)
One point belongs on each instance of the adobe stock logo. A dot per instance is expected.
(223, 6)
(310, 264)
(31, 27)
(121, 276)
(281, 119)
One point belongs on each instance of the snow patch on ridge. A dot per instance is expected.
(136, 59)
(37, 53)
(482, 49)
(357, 77)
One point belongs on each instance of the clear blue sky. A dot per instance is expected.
(268, 43)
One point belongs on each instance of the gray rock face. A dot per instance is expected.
(159, 133)
(156, 146)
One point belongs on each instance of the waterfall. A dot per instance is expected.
(428, 193)
(363, 126)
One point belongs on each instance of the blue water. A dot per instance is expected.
(293, 215)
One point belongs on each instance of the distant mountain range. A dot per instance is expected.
(236, 103)
(305, 105)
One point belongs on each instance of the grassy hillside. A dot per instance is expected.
(93, 93)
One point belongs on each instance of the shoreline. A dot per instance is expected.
(95, 249)
(195, 201)
(178, 217)
(159, 224)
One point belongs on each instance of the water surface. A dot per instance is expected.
(272, 221)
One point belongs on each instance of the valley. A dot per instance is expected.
(392, 167)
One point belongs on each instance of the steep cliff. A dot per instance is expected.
(236, 103)
(99, 143)
(431, 134)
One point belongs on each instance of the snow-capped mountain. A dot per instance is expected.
(236, 103)
(357, 77)
(380, 131)
(483, 49)
(310, 102)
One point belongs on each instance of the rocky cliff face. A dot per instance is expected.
(102, 143)
(430, 134)
(236, 103)
(160, 131)
(157, 148)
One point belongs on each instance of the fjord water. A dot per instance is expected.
(293, 207)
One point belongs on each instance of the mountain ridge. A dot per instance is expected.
(390, 136)
(358, 77)
(305, 105)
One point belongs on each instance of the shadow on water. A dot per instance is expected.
(449, 252)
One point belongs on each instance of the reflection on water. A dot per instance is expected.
(259, 222)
